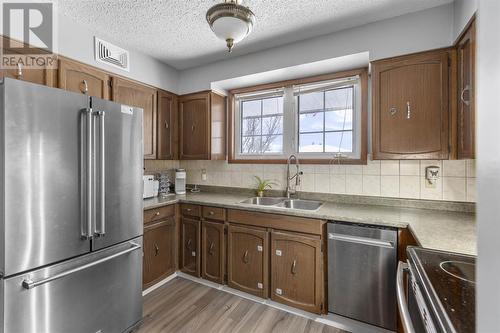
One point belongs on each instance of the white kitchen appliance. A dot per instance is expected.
(150, 186)
(180, 181)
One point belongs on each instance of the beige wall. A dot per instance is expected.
(397, 179)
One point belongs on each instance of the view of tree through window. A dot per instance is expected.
(262, 126)
(326, 120)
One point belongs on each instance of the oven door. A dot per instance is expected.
(413, 311)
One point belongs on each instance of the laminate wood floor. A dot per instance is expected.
(185, 306)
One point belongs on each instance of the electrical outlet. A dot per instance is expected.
(204, 175)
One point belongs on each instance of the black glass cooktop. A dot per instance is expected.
(449, 283)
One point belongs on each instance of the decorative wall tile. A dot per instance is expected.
(471, 168)
(454, 188)
(337, 169)
(338, 184)
(354, 184)
(372, 168)
(389, 168)
(353, 169)
(321, 183)
(371, 185)
(389, 186)
(322, 168)
(409, 187)
(409, 168)
(454, 168)
(307, 182)
(431, 193)
(471, 189)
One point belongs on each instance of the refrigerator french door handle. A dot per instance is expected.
(30, 284)
(101, 227)
(87, 162)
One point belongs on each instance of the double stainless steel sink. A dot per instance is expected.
(310, 205)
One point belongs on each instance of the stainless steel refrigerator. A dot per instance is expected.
(71, 211)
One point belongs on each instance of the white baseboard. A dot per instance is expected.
(330, 319)
(159, 284)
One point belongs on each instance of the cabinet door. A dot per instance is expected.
(248, 255)
(167, 126)
(190, 245)
(134, 94)
(43, 76)
(77, 77)
(410, 107)
(194, 127)
(466, 49)
(213, 251)
(159, 252)
(296, 271)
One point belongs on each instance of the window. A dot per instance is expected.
(315, 120)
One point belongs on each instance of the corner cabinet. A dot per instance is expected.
(411, 106)
(145, 97)
(296, 273)
(466, 56)
(167, 126)
(202, 126)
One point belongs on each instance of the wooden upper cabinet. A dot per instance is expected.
(202, 126)
(411, 106)
(43, 76)
(167, 126)
(466, 58)
(137, 95)
(247, 262)
(296, 271)
(80, 78)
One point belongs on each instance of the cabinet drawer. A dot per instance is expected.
(191, 210)
(214, 213)
(158, 214)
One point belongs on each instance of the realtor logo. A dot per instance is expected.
(28, 30)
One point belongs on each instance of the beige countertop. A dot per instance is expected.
(435, 229)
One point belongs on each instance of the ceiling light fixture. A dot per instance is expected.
(230, 21)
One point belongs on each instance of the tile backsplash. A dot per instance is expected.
(395, 179)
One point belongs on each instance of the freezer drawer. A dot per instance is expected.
(362, 273)
(98, 292)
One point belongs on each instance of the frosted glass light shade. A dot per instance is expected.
(230, 28)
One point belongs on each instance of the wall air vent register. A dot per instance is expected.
(110, 54)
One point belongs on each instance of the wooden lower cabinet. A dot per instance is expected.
(248, 255)
(190, 246)
(213, 251)
(296, 271)
(159, 251)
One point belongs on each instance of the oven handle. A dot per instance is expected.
(402, 302)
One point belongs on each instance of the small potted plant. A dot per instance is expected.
(262, 185)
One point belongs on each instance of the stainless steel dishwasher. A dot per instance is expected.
(362, 263)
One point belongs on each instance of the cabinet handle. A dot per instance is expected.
(157, 213)
(245, 257)
(192, 128)
(467, 88)
(188, 209)
(19, 71)
(393, 111)
(85, 87)
(166, 125)
(157, 250)
(408, 110)
(211, 213)
(294, 267)
(211, 248)
(188, 244)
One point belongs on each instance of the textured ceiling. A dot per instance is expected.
(176, 32)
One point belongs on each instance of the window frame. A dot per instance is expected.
(291, 123)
